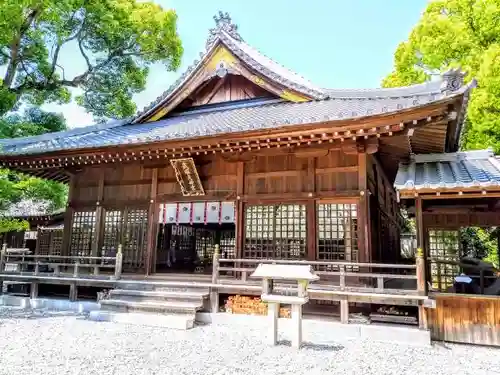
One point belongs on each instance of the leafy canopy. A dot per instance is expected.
(15, 187)
(465, 34)
(116, 41)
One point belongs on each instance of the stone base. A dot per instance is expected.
(48, 303)
(173, 321)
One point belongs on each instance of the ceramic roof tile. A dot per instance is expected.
(452, 170)
(239, 117)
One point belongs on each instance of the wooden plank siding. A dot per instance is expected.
(331, 176)
(383, 213)
(466, 319)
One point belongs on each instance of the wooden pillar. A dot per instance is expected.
(311, 209)
(239, 219)
(99, 222)
(421, 240)
(68, 217)
(152, 222)
(364, 245)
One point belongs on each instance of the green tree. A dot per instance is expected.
(15, 187)
(465, 34)
(116, 40)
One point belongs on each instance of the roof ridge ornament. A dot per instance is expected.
(223, 24)
(453, 80)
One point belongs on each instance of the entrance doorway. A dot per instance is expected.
(189, 232)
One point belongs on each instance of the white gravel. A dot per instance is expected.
(38, 342)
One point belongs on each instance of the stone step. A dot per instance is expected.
(158, 307)
(173, 321)
(158, 295)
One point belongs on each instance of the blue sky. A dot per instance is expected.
(333, 43)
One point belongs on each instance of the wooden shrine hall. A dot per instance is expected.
(243, 153)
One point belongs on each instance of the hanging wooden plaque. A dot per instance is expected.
(187, 177)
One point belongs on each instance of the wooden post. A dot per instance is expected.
(73, 292)
(344, 303)
(152, 222)
(34, 290)
(311, 209)
(76, 268)
(118, 262)
(239, 219)
(37, 267)
(214, 293)
(3, 258)
(98, 216)
(68, 217)
(365, 251)
(421, 288)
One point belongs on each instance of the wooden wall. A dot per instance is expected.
(309, 177)
(466, 319)
(384, 214)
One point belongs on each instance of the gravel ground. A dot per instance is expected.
(40, 342)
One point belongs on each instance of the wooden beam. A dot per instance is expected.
(353, 168)
(239, 220)
(364, 240)
(99, 222)
(68, 218)
(152, 222)
(311, 209)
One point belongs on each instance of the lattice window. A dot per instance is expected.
(337, 232)
(112, 233)
(275, 231)
(444, 245)
(205, 241)
(134, 233)
(228, 244)
(56, 242)
(43, 245)
(82, 233)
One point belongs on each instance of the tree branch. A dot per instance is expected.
(14, 49)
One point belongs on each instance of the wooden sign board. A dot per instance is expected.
(187, 177)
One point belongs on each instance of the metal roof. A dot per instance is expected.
(223, 119)
(468, 169)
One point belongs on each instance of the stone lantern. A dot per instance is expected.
(300, 276)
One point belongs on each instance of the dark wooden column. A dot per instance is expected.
(239, 219)
(311, 209)
(152, 222)
(98, 216)
(421, 240)
(68, 216)
(365, 254)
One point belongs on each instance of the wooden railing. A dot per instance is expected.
(372, 275)
(12, 261)
(370, 280)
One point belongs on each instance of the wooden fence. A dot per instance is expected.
(467, 319)
(20, 261)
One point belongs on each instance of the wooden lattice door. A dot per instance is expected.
(127, 227)
(134, 238)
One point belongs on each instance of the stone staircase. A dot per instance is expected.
(152, 306)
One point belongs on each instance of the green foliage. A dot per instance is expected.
(116, 39)
(458, 33)
(13, 225)
(15, 187)
(480, 243)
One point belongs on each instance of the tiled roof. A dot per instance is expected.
(226, 33)
(228, 118)
(30, 208)
(467, 169)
